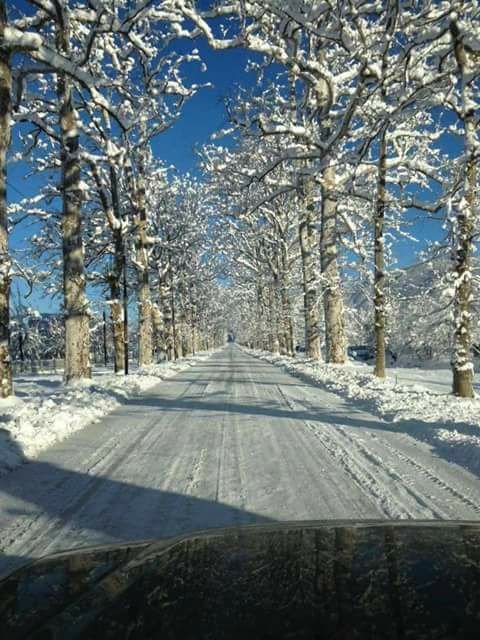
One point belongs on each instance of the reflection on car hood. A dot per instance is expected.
(295, 580)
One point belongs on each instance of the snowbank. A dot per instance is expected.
(45, 411)
(455, 422)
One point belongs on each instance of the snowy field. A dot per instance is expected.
(436, 376)
(45, 411)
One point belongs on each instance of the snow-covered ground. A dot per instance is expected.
(232, 440)
(434, 376)
(44, 410)
(409, 395)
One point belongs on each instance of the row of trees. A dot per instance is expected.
(363, 113)
(88, 87)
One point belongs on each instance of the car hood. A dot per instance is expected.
(349, 579)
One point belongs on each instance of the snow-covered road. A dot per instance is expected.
(231, 440)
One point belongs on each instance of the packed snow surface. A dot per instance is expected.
(419, 397)
(236, 440)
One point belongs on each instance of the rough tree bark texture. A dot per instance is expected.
(462, 363)
(308, 245)
(77, 330)
(164, 295)
(111, 208)
(116, 308)
(259, 335)
(273, 330)
(180, 321)
(116, 312)
(173, 311)
(145, 332)
(279, 291)
(184, 319)
(279, 324)
(286, 304)
(380, 312)
(193, 318)
(335, 345)
(158, 331)
(6, 386)
(379, 261)
(287, 322)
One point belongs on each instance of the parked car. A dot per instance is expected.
(365, 353)
(300, 348)
(361, 352)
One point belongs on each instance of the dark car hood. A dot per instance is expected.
(295, 580)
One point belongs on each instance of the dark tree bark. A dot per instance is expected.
(145, 333)
(379, 261)
(119, 257)
(308, 245)
(77, 330)
(462, 363)
(6, 385)
(335, 345)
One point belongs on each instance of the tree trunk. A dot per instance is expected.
(462, 363)
(307, 237)
(179, 342)
(259, 314)
(125, 311)
(77, 330)
(180, 321)
(165, 304)
(273, 329)
(160, 314)
(380, 312)
(279, 318)
(119, 256)
(285, 303)
(158, 331)
(379, 261)
(116, 311)
(184, 323)
(335, 346)
(184, 335)
(193, 318)
(6, 385)
(287, 323)
(174, 318)
(145, 333)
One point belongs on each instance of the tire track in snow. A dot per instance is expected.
(233, 490)
(386, 501)
(223, 427)
(183, 472)
(389, 504)
(47, 527)
(357, 467)
(284, 468)
(342, 491)
(28, 533)
(136, 485)
(427, 505)
(429, 475)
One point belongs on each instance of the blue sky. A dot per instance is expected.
(204, 113)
